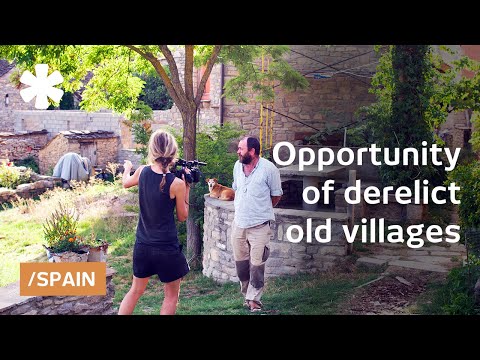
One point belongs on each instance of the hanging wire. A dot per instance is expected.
(331, 65)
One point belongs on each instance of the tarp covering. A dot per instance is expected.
(72, 166)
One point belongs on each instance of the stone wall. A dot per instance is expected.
(327, 102)
(286, 258)
(129, 154)
(49, 156)
(6, 121)
(30, 190)
(107, 151)
(55, 121)
(15, 100)
(454, 128)
(393, 211)
(13, 304)
(20, 146)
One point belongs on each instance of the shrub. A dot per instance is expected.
(29, 162)
(457, 295)
(9, 175)
(60, 231)
(466, 177)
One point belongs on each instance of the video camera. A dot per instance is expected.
(193, 165)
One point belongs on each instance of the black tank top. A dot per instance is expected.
(156, 224)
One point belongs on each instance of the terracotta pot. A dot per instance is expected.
(98, 253)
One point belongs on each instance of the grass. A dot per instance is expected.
(21, 239)
(21, 223)
(453, 297)
(301, 294)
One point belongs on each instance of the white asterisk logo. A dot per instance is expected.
(41, 86)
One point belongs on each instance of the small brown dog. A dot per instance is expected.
(219, 191)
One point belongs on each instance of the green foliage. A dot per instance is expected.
(29, 162)
(322, 136)
(11, 176)
(116, 85)
(67, 103)
(475, 139)
(213, 147)
(140, 121)
(360, 135)
(246, 59)
(60, 230)
(404, 101)
(466, 177)
(155, 93)
(412, 90)
(457, 295)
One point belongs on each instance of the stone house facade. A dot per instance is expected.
(339, 78)
(10, 98)
(99, 146)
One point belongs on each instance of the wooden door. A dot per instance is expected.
(89, 150)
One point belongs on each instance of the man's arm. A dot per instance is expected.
(234, 184)
(275, 200)
(275, 184)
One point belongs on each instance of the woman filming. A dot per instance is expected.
(157, 250)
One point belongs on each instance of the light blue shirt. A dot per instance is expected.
(253, 203)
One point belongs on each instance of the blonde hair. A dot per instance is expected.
(162, 150)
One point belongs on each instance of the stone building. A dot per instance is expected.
(10, 99)
(99, 146)
(18, 146)
(339, 79)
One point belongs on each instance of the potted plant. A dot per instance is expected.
(97, 249)
(63, 244)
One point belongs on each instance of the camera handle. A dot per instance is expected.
(188, 177)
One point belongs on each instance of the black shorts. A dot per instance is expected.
(168, 265)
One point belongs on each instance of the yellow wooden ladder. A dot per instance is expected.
(266, 115)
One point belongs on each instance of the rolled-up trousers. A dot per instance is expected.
(250, 252)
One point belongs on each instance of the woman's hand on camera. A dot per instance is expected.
(185, 171)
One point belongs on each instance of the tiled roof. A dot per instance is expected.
(86, 134)
(5, 67)
(8, 134)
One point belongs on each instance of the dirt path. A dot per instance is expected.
(394, 292)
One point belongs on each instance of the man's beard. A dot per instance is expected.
(246, 159)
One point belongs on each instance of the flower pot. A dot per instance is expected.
(67, 256)
(98, 253)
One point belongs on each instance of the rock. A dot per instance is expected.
(403, 281)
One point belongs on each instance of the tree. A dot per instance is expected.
(415, 93)
(115, 86)
(154, 93)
